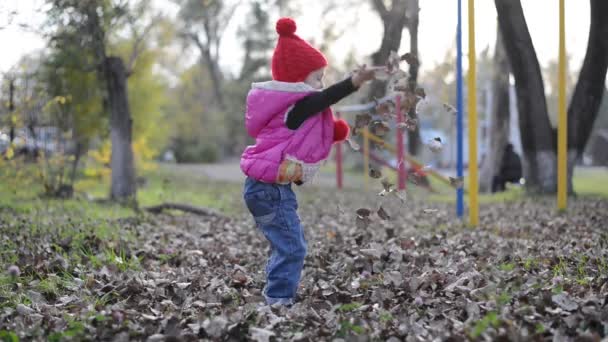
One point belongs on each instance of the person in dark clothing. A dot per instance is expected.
(510, 170)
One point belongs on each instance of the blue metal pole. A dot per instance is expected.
(459, 132)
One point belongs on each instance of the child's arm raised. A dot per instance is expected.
(315, 103)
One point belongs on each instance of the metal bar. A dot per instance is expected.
(459, 125)
(400, 160)
(339, 172)
(562, 127)
(366, 158)
(472, 113)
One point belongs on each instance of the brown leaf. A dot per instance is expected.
(362, 120)
(401, 195)
(387, 185)
(376, 174)
(383, 214)
(411, 59)
(362, 222)
(383, 108)
(450, 109)
(379, 128)
(457, 183)
(353, 144)
(420, 92)
(364, 212)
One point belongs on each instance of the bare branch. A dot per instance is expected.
(380, 8)
(139, 38)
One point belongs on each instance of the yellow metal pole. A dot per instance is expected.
(562, 127)
(366, 158)
(472, 109)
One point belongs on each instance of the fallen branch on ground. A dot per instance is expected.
(157, 209)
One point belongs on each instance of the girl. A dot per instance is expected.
(294, 130)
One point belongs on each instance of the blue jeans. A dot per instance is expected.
(274, 209)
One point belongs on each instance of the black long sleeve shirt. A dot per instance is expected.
(317, 102)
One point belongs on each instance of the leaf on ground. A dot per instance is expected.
(260, 335)
(564, 301)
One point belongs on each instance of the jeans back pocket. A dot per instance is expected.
(262, 200)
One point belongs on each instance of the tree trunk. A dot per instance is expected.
(11, 109)
(393, 20)
(537, 136)
(122, 164)
(413, 141)
(587, 97)
(499, 129)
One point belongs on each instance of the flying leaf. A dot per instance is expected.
(362, 222)
(435, 145)
(392, 65)
(386, 184)
(383, 214)
(401, 195)
(353, 144)
(364, 212)
(457, 182)
(450, 109)
(411, 59)
(374, 173)
(379, 128)
(362, 120)
(420, 92)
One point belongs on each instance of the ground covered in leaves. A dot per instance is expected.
(526, 273)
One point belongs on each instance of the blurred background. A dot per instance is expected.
(90, 87)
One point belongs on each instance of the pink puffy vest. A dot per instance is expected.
(310, 144)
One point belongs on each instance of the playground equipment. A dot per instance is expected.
(473, 190)
(562, 128)
(398, 150)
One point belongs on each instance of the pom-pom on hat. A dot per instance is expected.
(294, 59)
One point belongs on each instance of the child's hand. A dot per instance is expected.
(362, 75)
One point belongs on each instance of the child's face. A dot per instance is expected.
(315, 78)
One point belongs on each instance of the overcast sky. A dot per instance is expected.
(436, 32)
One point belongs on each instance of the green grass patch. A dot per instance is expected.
(506, 267)
(349, 307)
(491, 319)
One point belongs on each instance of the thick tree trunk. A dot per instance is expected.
(413, 20)
(587, 97)
(122, 163)
(537, 136)
(499, 129)
(393, 20)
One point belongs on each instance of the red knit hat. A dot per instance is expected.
(294, 59)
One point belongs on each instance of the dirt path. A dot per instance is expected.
(230, 171)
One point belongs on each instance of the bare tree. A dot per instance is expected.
(537, 136)
(204, 24)
(587, 97)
